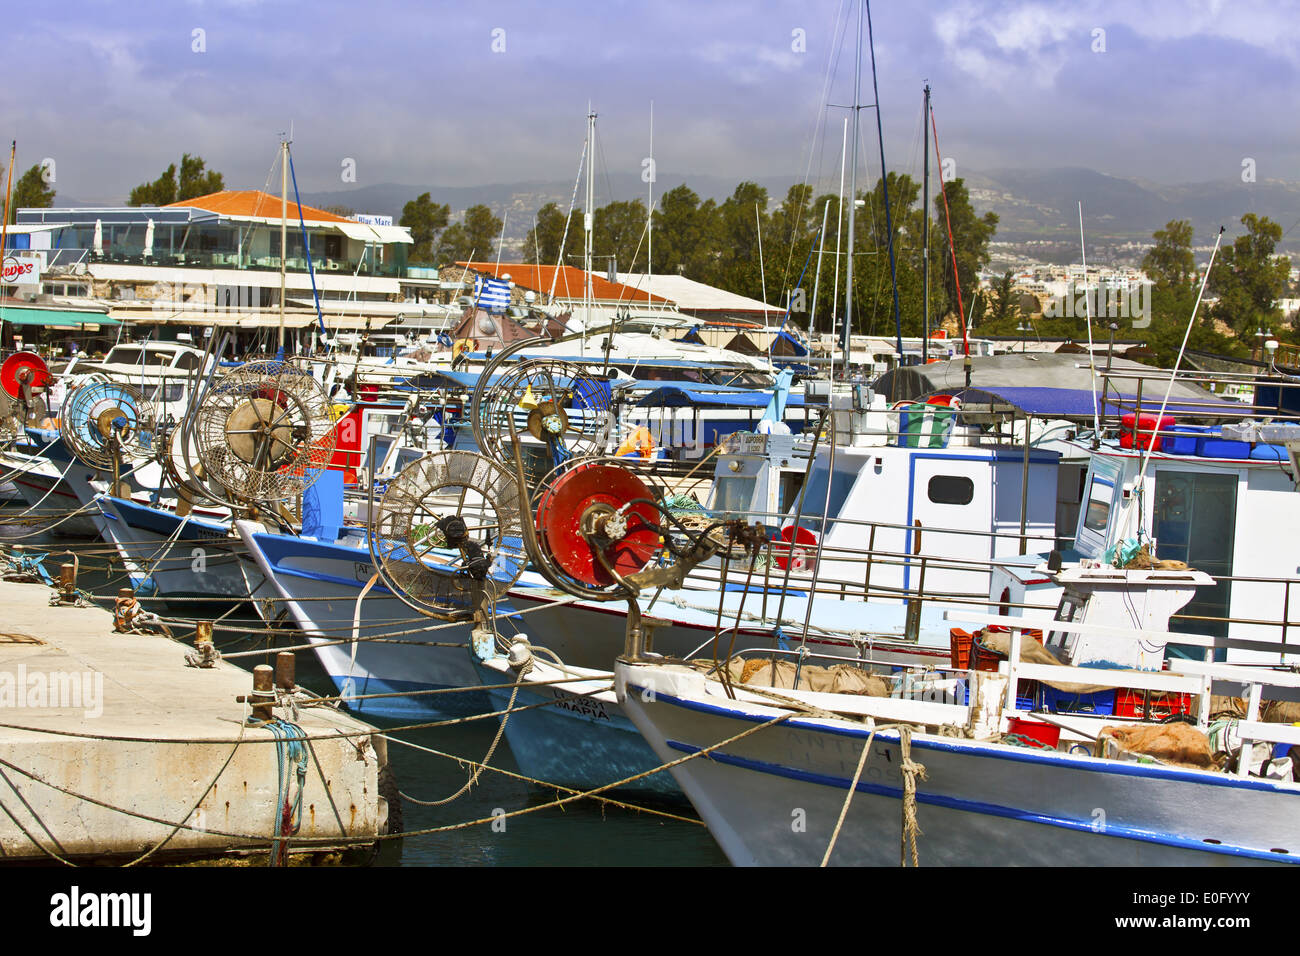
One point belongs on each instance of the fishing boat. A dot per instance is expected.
(801, 777)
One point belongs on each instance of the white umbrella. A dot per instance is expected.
(98, 244)
(148, 240)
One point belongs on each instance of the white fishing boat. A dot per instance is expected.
(796, 776)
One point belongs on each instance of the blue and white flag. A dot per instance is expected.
(492, 294)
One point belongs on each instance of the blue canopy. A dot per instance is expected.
(717, 396)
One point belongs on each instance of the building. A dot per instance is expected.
(215, 260)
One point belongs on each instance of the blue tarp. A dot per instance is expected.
(717, 396)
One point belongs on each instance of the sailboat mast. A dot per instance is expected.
(884, 182)
(588, 224)
(284, 222)
(925, 235)
(853, 200)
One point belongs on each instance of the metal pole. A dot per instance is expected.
(284, 216)
(853, 206)
(817, 281)
(884, 183)
(1024, 490)
(925, 235)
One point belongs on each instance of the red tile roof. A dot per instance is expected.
(568, 284)
(254, 202)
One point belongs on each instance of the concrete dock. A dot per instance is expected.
(109, 741)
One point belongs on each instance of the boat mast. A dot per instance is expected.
(588, 223)
(925, 234)
(853, 202)
(884, 183)
(284, 220)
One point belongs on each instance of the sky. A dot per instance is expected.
(460, 94)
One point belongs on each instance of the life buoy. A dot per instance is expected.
(795, 548)
(463, 346)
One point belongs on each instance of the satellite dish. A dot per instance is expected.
(264, 431)
(487, 325)
(448, 533)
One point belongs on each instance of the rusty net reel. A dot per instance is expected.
(559, 411)
(264, 431)
(448, 533)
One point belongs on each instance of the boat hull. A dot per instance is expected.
(773, 797)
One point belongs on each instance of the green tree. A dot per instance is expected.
(482, 230)
(740, 217)
(194, 181)
(426, 219)
(1170, 261)
(1171, 266)
(1248, 278)
(542, 244)
(160, 192)
(618, 231)
(971, 235)
(683, 239)
(30, 192)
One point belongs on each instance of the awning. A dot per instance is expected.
(55, 318)
(393, 234)
(356, 230)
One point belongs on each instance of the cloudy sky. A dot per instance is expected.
(468, 93)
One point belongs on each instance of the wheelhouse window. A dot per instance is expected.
(951, 490)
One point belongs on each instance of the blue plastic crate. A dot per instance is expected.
(1059, 702)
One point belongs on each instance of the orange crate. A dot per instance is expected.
(1130, 703)
(960, 641)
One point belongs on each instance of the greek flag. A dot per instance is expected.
(492, 294)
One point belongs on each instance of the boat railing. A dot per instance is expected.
(876, 560)
(1201, 679)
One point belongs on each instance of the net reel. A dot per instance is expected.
(106, 423)
(596, 525)
(447, 535)
(24, 377)
(264, 431)
(558, 409)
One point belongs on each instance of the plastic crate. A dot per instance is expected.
(1130, 703)
(960, 642)
(1059, 702)
(1048, 734)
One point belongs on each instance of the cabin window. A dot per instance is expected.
(1097, 516)
(951, 490)
(734, 495)
(815, 500)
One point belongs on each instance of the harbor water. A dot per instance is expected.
(580, 833)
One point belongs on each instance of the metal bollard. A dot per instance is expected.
(285, 667)
(263, 696)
